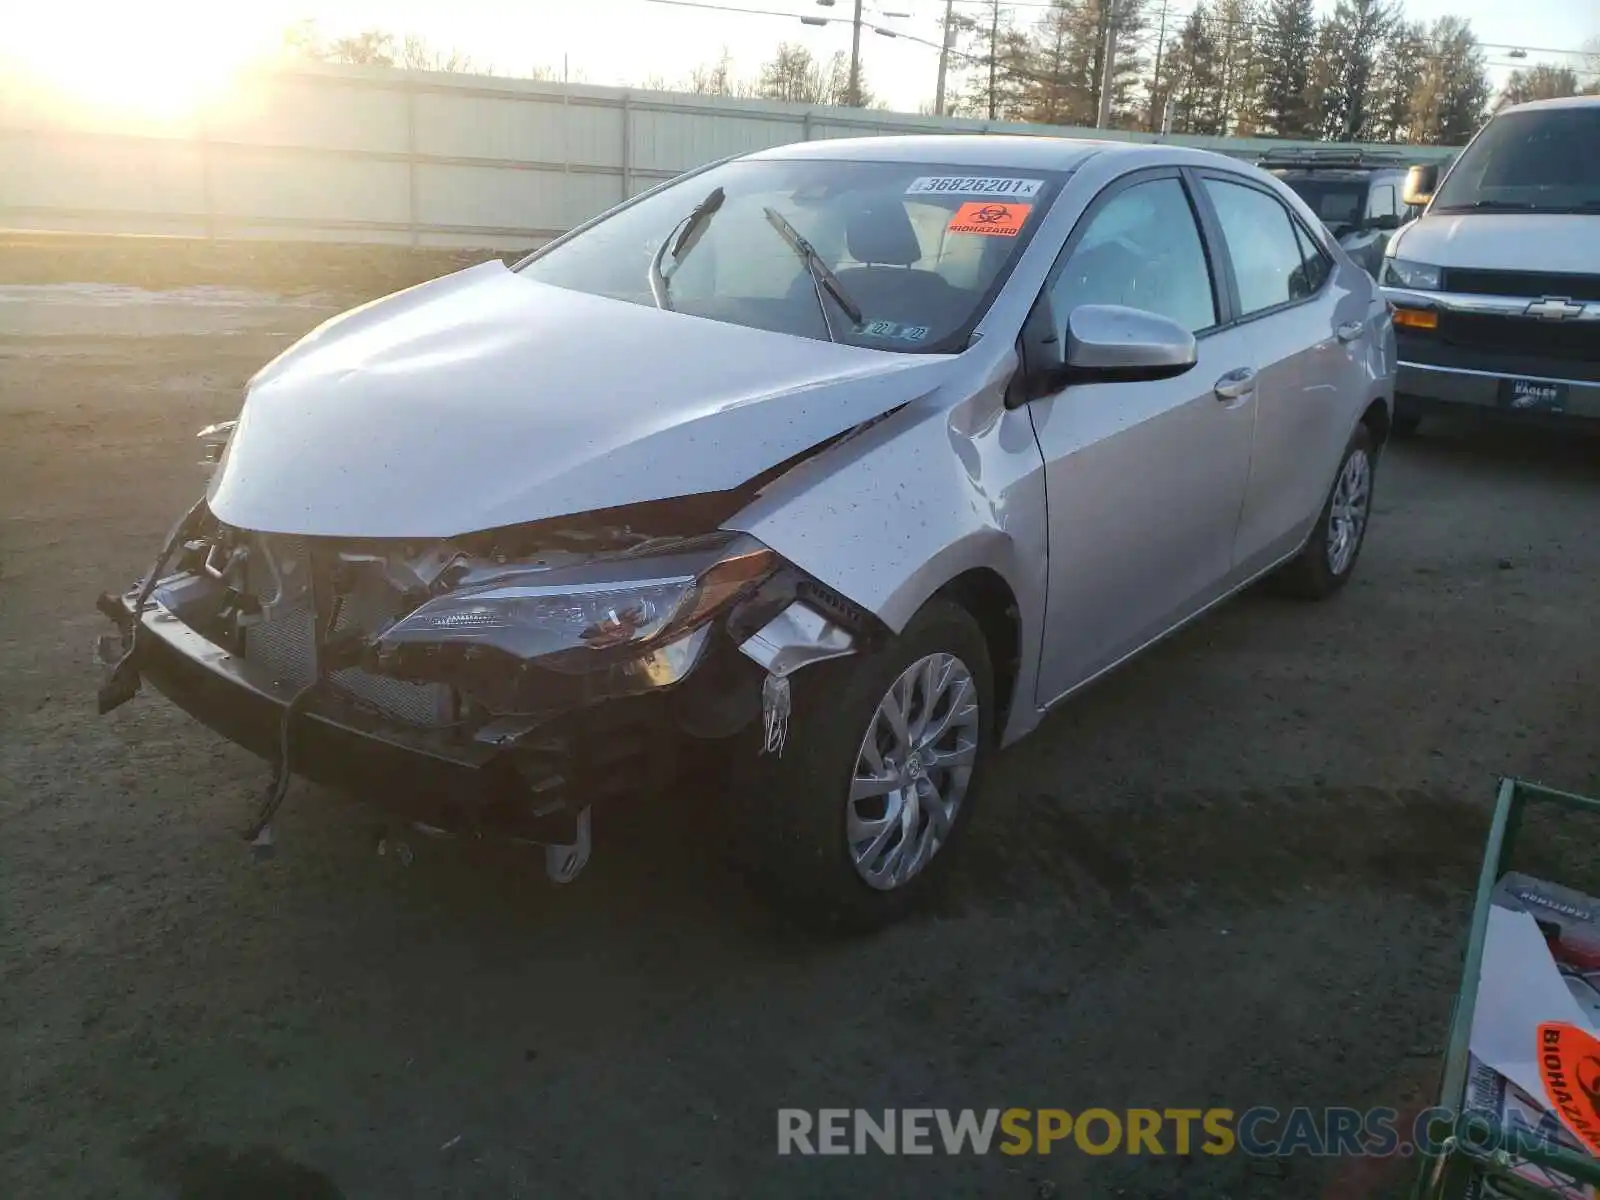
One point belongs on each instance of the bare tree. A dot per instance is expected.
(369, 48)
(1538, 82)
(418, 55)
(715, 78)
(793, 75)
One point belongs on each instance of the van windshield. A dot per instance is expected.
(918, 251)
(1540, 160)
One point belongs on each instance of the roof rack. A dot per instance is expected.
(1332, 157)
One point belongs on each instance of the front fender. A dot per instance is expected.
(890, 515)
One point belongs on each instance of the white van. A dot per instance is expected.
(1496, 287)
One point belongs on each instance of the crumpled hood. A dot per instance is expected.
(1496, 241)
(485, 399)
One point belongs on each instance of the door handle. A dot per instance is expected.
(1235, 385)
(1350, 331)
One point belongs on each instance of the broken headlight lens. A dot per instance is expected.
(591, 617)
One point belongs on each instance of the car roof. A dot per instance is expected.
(1558, 102)
(988, 151)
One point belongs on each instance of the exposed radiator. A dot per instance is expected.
(285, 646)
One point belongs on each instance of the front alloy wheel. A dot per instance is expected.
(878, 778)
(912, 770)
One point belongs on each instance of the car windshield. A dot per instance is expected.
(1540, 160)
(1338, 203)
(918, 250)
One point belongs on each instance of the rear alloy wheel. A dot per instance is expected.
(855, 822)
(1328, 558)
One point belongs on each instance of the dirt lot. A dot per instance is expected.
(1235, 874)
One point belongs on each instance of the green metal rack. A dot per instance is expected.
(1466, 1156)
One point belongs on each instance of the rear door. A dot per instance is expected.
(1306, 328)
(1144, 481)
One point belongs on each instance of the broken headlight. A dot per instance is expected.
(645, 616)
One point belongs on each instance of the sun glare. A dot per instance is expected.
(154, 60)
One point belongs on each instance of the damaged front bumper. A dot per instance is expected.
(208, 636)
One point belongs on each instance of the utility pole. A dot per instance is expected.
(1164, 124)
(944, 58)
(994, 53)
(855, 59)
(1108, 13)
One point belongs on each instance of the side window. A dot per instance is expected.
(1263, 245)
(1142, 250)
(1380, 201)
(1318, 266)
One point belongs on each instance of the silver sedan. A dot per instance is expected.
(854, 458)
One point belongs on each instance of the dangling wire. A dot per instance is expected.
(127, 662)
(257, 834)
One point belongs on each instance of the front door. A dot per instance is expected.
(1144, 481)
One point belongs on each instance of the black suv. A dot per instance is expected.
(1356, 193)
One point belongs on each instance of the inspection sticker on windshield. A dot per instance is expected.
(990, 218)
(973, 185)
(893, 329)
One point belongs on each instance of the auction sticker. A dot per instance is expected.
(990, 218)
(973, 185)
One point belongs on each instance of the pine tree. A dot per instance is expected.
(1398, 73)
(1197, 77)
(1239, 103)
(1450, 98)
(1357, 30)
(1288, 42)
(1061, 90)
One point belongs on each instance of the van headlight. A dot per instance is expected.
(645, 618)
(1402, 272)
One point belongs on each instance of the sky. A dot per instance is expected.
(158, 47)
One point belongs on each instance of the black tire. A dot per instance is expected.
(1309, 576)
(793, 806)
(1405, 425)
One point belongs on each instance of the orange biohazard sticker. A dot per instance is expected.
(992, 218)
(1569, 1064)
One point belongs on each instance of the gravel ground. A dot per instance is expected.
(1236, 873)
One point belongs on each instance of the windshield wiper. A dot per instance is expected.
(1489, 206)
(821, 277)
(684, 237)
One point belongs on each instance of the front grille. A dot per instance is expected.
(1569, 341)
(1532, 284)
(285, 645)
(1429, 350)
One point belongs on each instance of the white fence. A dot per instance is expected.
(415, 158)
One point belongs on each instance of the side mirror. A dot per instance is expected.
(1384, 222)
(1107, 343)
(1421, 181)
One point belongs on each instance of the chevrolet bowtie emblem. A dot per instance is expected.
(1554, 308)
